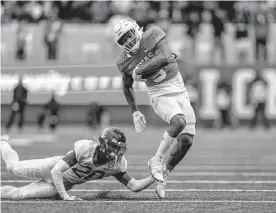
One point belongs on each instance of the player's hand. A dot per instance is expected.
(68, 197)
(137, 77)
(139, 121)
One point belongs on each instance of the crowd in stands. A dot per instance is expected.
(244, 15)
(142, 11)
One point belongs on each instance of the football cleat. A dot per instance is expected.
(161, 186)
(5, 138)
(155, 166)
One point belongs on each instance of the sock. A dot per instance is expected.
(8, 154)
(169, 167)
(164, 145)
(178, 152)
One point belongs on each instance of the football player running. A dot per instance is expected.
(89, 160)
(148, 58)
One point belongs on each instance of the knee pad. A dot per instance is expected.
(179, 123)
(185, 139)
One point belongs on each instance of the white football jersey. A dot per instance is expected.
(174, 85)
(85, 169)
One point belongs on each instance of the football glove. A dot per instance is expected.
(137, 77)
(139, 121)
(68, 197)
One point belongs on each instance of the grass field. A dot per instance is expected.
(225, 171)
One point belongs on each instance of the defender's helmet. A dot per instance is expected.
(128, 35)
(113, 142)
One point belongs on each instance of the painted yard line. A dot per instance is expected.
(246, 174)
(177, 190)
(57, 66)
(264, 170)
(214, 167)
(139, 201)
(170, 181)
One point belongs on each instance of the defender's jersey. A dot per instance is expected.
(126, 63)
(85, 169)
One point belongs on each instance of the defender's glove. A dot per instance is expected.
(68, 197)
(137, 77)
(139, 121)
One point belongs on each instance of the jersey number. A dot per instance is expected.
(161, 75)
(86, 175)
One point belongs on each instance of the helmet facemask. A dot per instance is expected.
(115, 150)
(112, 147)
(131, 40)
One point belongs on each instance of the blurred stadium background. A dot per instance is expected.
(66, 47)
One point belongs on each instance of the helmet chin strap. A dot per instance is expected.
(133, 52)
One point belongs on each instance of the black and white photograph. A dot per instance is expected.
(127, 106)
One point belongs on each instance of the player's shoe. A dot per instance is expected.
(161, 186)
(5, 138)
(155, 165)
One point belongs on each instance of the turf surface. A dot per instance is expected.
(225, 171)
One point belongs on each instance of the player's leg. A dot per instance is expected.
(38, 190)
(37, 168)
(21, 116)
(168, 108)
(9, 192)
(179, 150)
(183, 143)
(8, 154)
(11, 119)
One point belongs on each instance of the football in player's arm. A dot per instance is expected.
(162, 56)
(148, 58)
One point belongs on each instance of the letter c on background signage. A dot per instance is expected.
(240, 80)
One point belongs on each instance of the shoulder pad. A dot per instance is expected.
(123, 164)
(84, 150)
(153, 36)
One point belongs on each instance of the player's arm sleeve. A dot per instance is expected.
(64, 164)
(129, 92)
(133, 184)
(162, 58)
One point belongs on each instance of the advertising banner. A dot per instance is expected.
(80, 85)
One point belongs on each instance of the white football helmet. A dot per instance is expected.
(128, 35)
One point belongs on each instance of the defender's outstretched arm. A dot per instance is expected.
(64, 164)
(133, 184)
